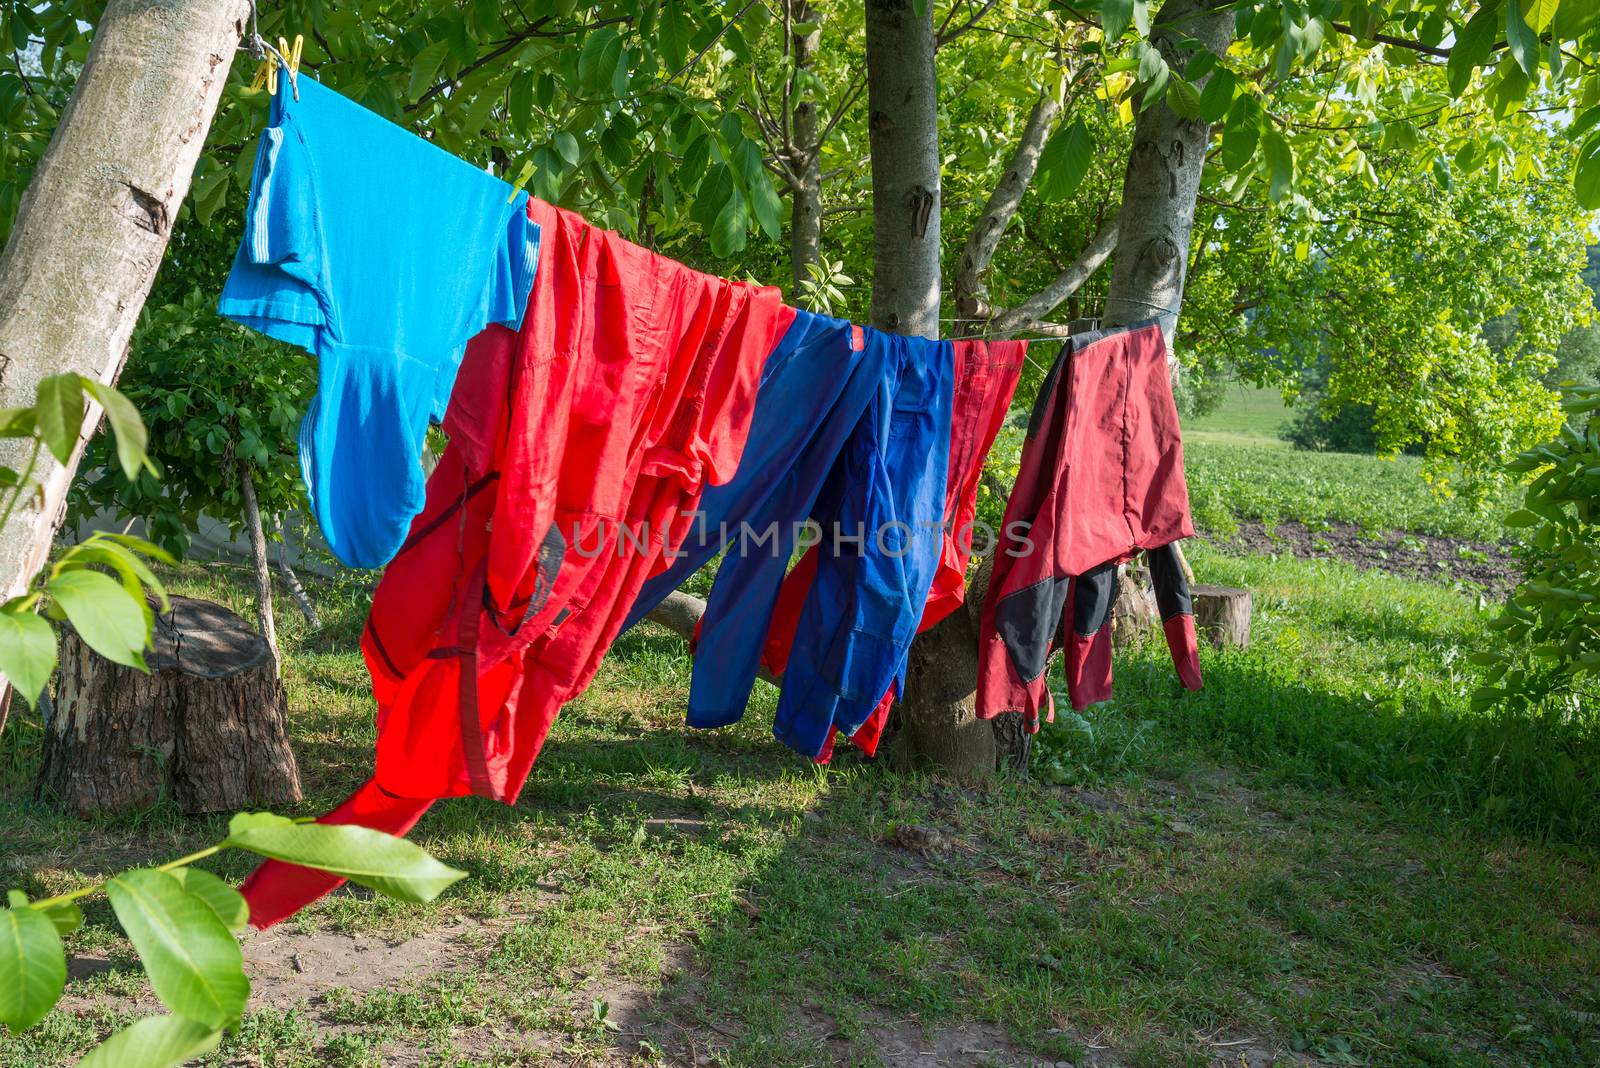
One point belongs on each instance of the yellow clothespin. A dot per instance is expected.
(292, 55)
(263, 75)
(267, 73)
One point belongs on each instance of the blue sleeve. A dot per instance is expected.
(733, 631)
(281, 224)
(277, 283)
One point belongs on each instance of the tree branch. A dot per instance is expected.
(945, 38)
(1002, 204)
(857, 83)
(1068, 282)
(1402, 42)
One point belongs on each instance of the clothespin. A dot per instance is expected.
(267, 73)
(522, 179)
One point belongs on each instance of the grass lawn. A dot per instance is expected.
(1248, 415)
(1322, 858)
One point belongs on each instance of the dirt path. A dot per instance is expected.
(1421, 556)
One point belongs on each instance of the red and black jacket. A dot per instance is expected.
(1101, 480)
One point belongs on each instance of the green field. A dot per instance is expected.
(1248, 415)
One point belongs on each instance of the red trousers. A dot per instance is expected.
(1101, 479)
(579, 448)
(986, 376)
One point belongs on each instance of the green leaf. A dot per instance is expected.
(566, 147)
(1115, 16)
(1182, 98)
(110, 622)
(1580, 126)
(1217, 97)
(27, 650)
(66, 917)
(133, 541)
(1242, 134)
(19, 422)
(1472, 46)
(424, 67)
(224, 900)
(378, 861)
(1521, 40)
(1586, 178)
(1280, 164)
(764, 202)
(672, 35)
(136, 574)
(59, 414)
(1065, 161)
(33, 967)
(249, 821)
(194, 964)
(154, 1042)
(597, 62)
(1521, 518)
(728, 232)
(1541, 13)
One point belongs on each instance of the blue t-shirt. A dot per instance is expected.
(382, 255)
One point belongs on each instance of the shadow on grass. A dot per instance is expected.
(1498, 772)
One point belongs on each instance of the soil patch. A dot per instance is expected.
(1490, 565)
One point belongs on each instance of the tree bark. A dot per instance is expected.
(903, 127)
(93, 225)
(265, 621)
(208, 726)
(805, 216)
(1162, 180)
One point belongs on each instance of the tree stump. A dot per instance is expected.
(208, 726)
(1133, 613)
(1223, 614)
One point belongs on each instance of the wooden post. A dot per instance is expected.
(265, 621)
(1223, 614)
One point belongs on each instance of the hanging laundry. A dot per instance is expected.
(852, 432)
(580, 448)
(382, 255)
(1101, 479)
(986, 374)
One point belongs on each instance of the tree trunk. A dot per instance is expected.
(935, 723)
(903, 124)
(1158, 197)
(805, 222)
(265, 622)
(94, 222)
(1162, 180)
(208, 726)
(1151, 239)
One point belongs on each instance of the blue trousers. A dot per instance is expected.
(848, 449)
